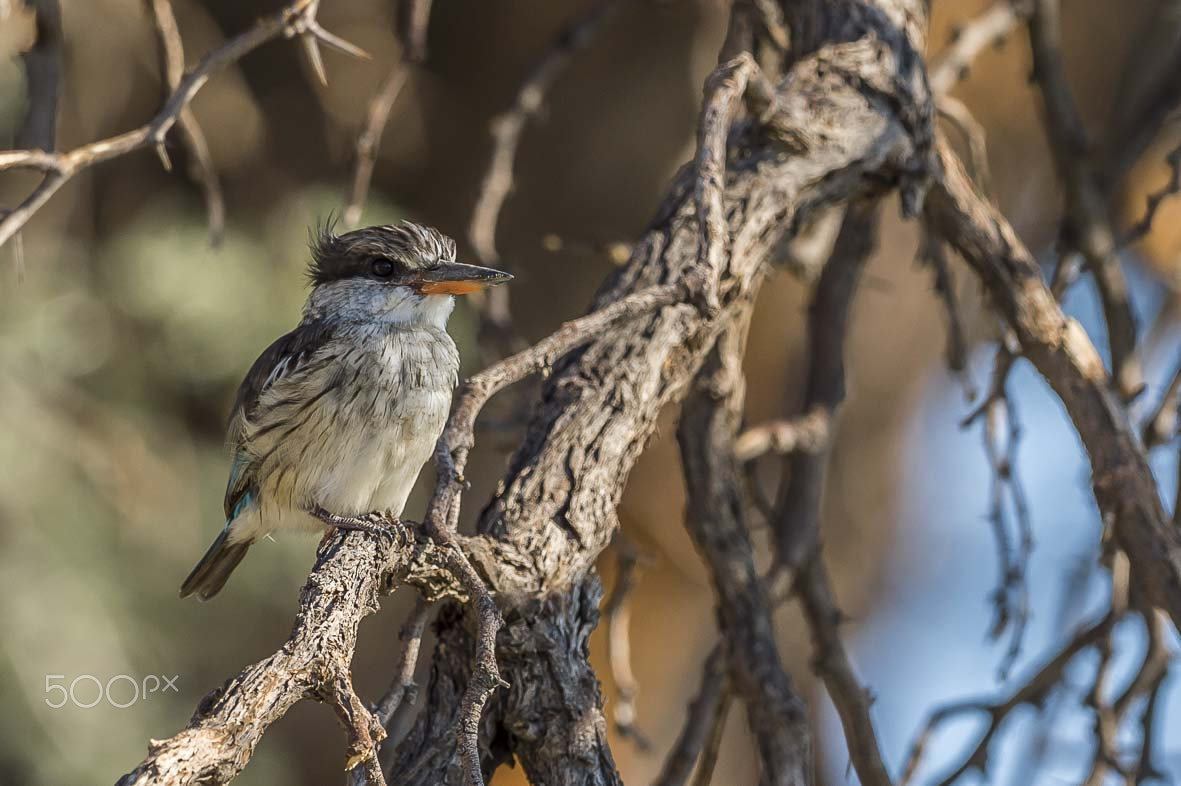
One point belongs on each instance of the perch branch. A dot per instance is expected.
(351, 573)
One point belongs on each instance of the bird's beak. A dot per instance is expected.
(456, 278)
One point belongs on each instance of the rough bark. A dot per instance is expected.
(847, 120)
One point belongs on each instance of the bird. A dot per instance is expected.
(335, 420)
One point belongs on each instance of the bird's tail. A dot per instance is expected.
(215, 567)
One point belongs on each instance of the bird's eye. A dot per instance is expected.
(382, 268)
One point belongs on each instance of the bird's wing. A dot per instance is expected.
(290, 356)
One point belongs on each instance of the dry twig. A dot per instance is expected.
(706, 711)
(1086, 227)
(201, 163)
(43, 74)
(807, 433)
(507, 128)
(415, 19)
(296, 18)
(797, 519)
(617, 610)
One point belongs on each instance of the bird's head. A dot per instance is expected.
(402, 273)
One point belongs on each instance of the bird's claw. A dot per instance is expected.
(372, 523)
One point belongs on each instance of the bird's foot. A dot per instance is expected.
(373, 523)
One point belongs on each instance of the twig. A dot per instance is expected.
(832, 663)
(201, 167)
(1001, 433)
(1161, 425)
(934, 255)
(956, 112)
(1123, 485)
(43, 71)
(1034, 690)
(507, 128)
(796, 522)
(725, 89)
(807, 433)
(415, 19)
(457, 439)
(713, 743)
(485, 677)
(402, 689)
(971, 38)
(1148, 682)
(715, 517)
(1155, 199)
(797, 519)
(1086, 226)
(293, 19)
(705, 713)
(617, 610)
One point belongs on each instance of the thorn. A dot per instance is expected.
(162, 154)
(312, 50)
(334, 41)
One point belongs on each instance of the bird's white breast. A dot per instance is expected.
(360, 446)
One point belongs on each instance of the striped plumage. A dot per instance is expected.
(342, 412)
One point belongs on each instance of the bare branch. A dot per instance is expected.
(1087, 227)
(1161, 424)
(459, 435)
(796, 524)
(507, 128)
(1060, 349)
(715, 516)
(351, 572)
(797, 519)
(725, 88)
(1154, 200)
(618, 613)
(201, 163)
(807, 433)
(290, 20)
(1033, 690)
(402, 689)
(43, 71)
(415, 19)
(933, 254)
(706, 712)
(990, 28)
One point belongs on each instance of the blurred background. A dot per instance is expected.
(123, 335)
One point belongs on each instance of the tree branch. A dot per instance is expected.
(1062, 352)
(715, 515)
(201, 163)
(296, 18)
(1087, 227)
